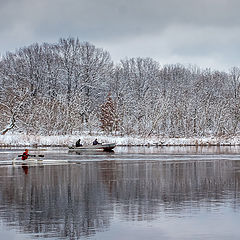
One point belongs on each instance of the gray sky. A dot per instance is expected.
(203, 32)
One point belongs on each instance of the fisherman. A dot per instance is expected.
(78, 144)
(25, 155)
(95, 142)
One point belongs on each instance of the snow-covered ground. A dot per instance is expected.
(66, 140)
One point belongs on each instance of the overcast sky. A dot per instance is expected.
(201, 32)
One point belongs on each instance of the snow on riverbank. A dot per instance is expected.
(66, 140)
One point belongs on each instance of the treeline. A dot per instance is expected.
(74, 87)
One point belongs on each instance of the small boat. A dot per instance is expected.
(31, 161)
(98, 147)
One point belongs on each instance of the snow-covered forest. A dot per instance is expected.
(74, 87)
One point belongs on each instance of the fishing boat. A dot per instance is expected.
(98, 147)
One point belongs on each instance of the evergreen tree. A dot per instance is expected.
(108, 117)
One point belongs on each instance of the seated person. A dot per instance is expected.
(78, 144)
(25, 155)
(95, 142)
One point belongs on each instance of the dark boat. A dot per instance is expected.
(98, 147)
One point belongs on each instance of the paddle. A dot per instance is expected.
(32, 155)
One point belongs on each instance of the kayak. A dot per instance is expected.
(98, 147)
(38, 161)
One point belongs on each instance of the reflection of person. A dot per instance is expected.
(25, 168)
(25, 155)
(95, 142)
(78, 144)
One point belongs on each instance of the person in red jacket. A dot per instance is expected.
(25, 155)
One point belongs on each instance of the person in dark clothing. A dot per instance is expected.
(78, 144)
(95, 142)
(25, 155)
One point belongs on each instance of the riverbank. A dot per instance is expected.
(17, 140)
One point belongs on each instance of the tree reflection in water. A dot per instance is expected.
(77, 200)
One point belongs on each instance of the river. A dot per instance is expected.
(136, 193)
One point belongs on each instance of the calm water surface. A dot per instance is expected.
(133, 193)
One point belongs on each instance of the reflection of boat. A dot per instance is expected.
(98, 147)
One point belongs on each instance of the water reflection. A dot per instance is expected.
(96, 153)
(80, 200)
(25, 168)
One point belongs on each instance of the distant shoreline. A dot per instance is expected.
(22, 140)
